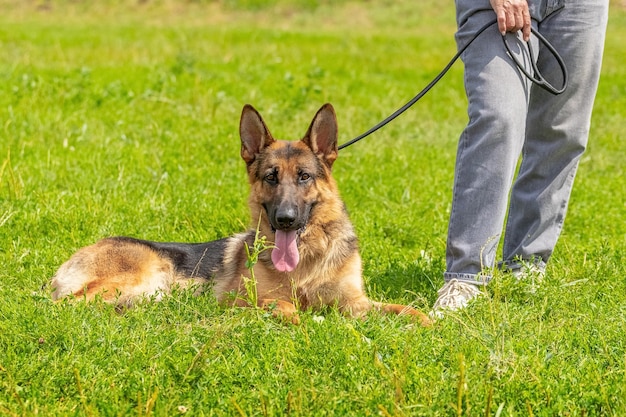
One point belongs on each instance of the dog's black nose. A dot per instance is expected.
(286, 217)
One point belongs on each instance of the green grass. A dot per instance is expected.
(121, 118)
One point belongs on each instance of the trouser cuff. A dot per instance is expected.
(475, 279)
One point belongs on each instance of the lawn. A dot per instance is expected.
(121, 118)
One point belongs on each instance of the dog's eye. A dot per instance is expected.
(304, 177)
(271, 178)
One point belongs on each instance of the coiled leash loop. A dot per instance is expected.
(535, 77)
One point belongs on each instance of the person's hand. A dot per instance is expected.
(513, 15)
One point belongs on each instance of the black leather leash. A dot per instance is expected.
(535, 77)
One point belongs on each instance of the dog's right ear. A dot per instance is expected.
(255, 136)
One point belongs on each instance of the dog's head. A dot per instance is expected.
(288, 178)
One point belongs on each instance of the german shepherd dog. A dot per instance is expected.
(294, 203)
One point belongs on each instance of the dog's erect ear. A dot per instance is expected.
(255, 136)
(322, 134)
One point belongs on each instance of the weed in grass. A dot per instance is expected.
(252, 257)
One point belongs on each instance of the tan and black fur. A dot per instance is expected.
(292, 193)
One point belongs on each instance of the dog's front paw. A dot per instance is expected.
(280, 309)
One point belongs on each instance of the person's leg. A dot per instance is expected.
(487, 154)
(556, 131)
(489, 147)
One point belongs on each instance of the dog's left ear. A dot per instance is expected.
(255, 135)
(322, 134)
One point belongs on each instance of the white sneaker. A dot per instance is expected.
(529, 271)
(524, 269)
(531, 274)
(454, 295)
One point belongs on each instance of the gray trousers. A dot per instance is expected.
(509, 118)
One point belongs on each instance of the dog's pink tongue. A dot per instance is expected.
(285, 255)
